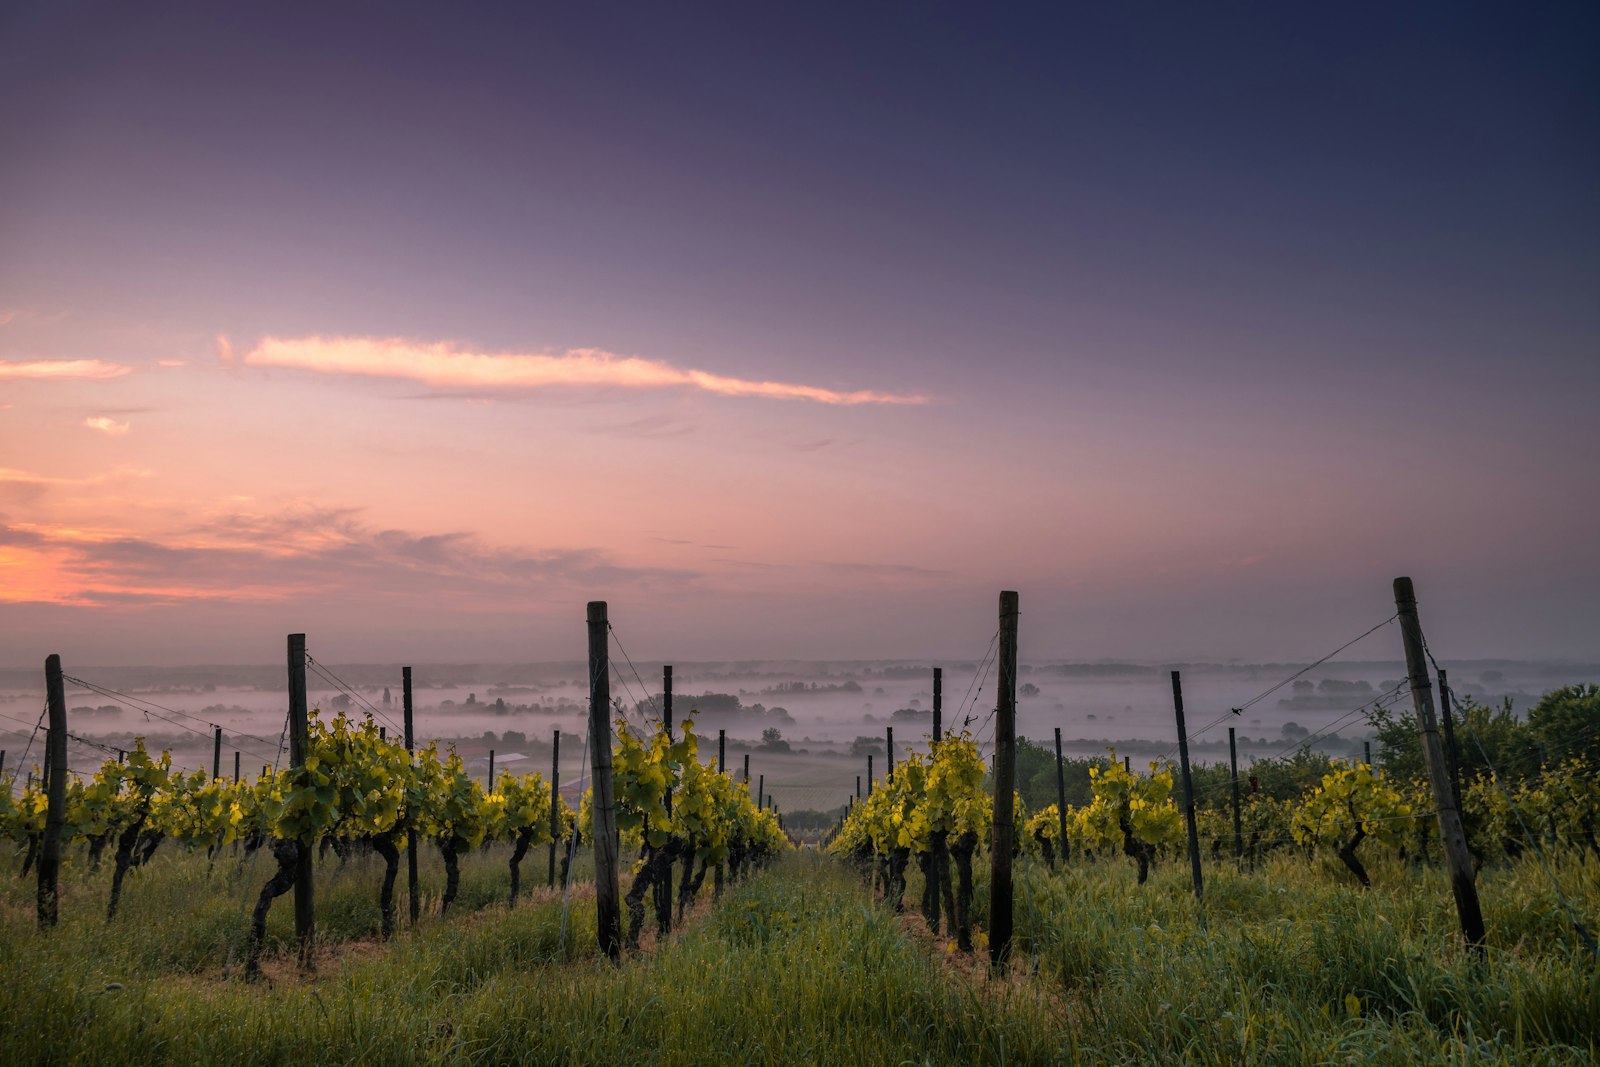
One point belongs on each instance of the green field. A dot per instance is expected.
(1287, 965)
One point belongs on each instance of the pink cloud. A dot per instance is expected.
(448, 365)
(108, 426)
(63, 369)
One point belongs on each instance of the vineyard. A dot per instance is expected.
(1304, 909)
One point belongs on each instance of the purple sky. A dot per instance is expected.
(796, 334)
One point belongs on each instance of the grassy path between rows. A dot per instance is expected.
(794, 967)
(800, 966)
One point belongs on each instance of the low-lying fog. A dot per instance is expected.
(819, 709)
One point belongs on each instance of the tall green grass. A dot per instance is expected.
(1295, 964)
(1288, 965)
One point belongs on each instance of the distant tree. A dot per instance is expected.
(863, 747)
(1289, 777)
(1028, 690)
(1566, 722)
(1036, 775)
(1485, 736)
(772, 740)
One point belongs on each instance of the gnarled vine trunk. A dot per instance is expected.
(941, 868)
(383, 845)
(1347, 853)
(899, 858)
(524, 841)
(128, 856)
(930, 892)
(451, 848)
(287, 853)
(1143, 854)
(961, 850)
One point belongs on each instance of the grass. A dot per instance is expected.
(799, 965)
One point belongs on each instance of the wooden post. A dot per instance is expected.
(299, 743)
(55, 763)
(666, 724)
(888, 773)
(1061, 797)
(383, 733)
(1188, 785)
(664, 899)
(1127, 764)
(1005, 784)
(604, 831)
(555, 803)
(216, 755)
(938, 702)
(1451, 754)
(666, 698)
(761, 792)
(1238, 823)
(235, 766)
(869, 774)
(1462, 880)
(488, 787)
(2, 761)
(413, 896)
(1366, 746)
(858, 788)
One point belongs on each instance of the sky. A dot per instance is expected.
(796, 331)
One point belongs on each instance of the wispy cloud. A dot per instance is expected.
(63, 369)
(108, 426)
(884, 570)
(13, 476)
(452, 366)
(298, 552)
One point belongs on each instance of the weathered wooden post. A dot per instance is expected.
(888, 766)
(1061, 797)
(604, 831)
(413, 895)
(488, 786)
(1005, 784)
(236, 766)
(1238, 824)
(663, 899)
(858, 788)
(299, 744)
(216, 754)
(555, 803)
(1462, 880)
(55, 763)
(1127, 764)
(1188, 786)
(1366, 747)
(761, 791)
(938, 702)
(1446, 703)
(869, 774)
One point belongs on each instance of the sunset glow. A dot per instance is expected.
(1196, 331)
